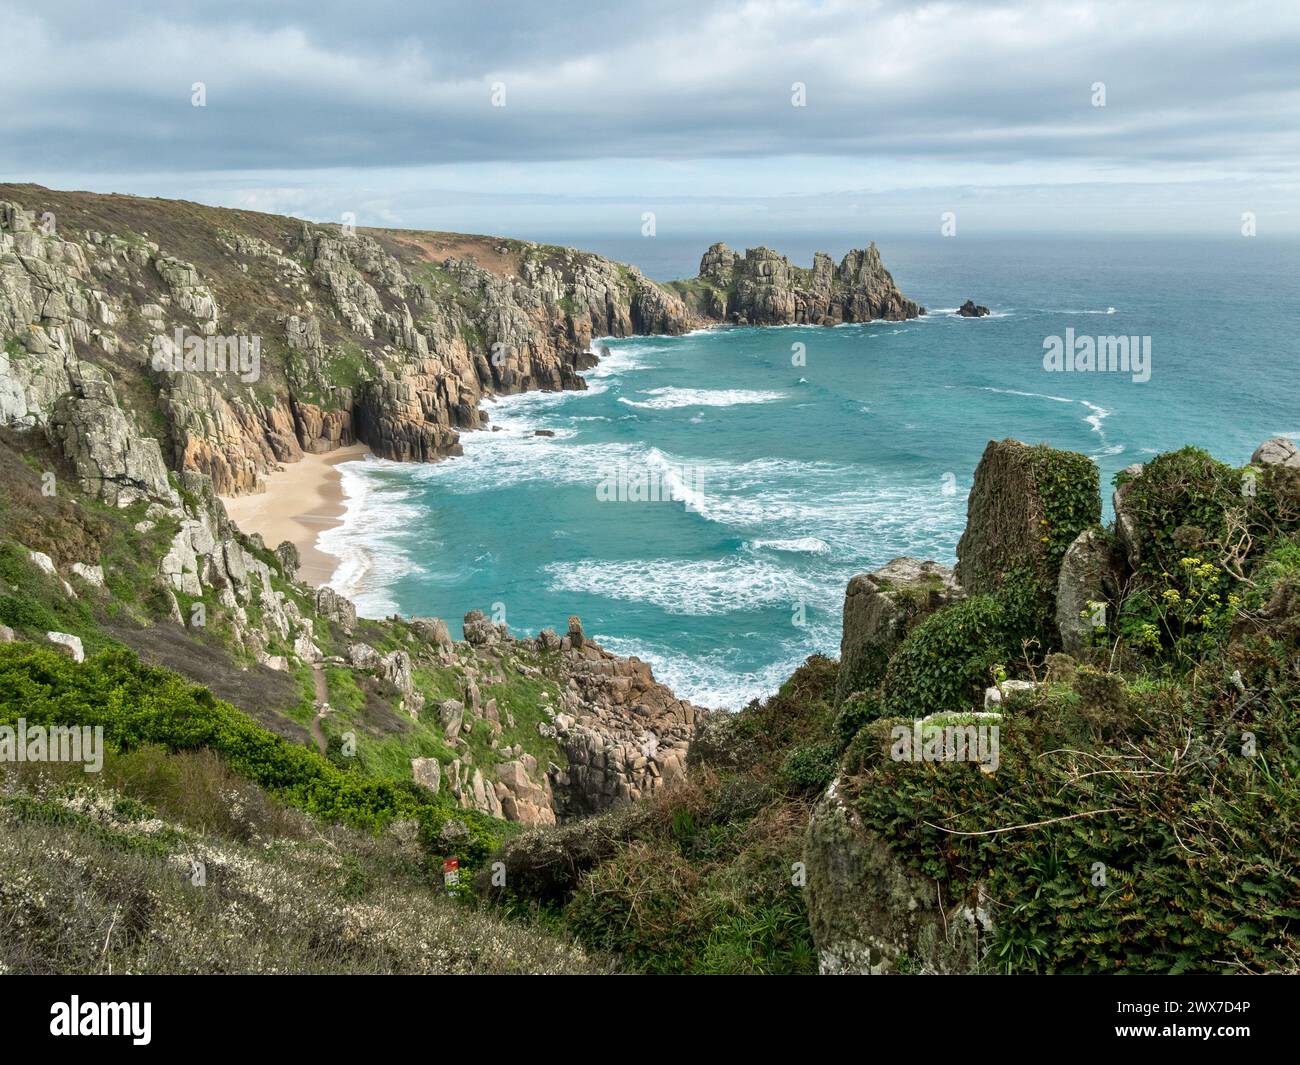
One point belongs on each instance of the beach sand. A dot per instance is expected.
(301, 501)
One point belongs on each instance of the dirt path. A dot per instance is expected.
(322, 706)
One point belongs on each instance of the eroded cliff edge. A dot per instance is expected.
(387, 337)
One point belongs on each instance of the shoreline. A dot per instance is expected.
(302, 500)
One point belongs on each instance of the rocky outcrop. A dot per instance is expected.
(761, 287)
(971, 309)
(337, 608)
(625, 735)
(1024, 500)
(427, 772)
(1127, 532)
(868, 911)
(113, 460)
(1088, 585)
(880, 608)
(1279, 451)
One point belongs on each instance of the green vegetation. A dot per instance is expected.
(947, 661)
(1068, 485)
(137, 705)
(701, 878)
(182, 866)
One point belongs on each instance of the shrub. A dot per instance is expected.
(858, 710)
(947, 661)
(138, 706)
(809, 770)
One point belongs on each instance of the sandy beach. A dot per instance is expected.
(301, 501)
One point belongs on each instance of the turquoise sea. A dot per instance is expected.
(790, 475)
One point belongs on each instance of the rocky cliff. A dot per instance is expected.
(280, 336)
(159, 355)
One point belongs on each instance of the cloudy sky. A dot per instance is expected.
(550, 118)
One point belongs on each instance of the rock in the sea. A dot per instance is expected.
(880, 608)
(762, 287)
(971, 309)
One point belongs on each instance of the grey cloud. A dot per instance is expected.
(321, 85)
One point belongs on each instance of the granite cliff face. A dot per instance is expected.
(761, 287)
(310, 337)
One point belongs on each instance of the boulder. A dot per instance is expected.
(1279, 451)
(67, 643)
(867, 910)
(427, 772)
(452, 715)
(994, 697)
(479, 630)
(576, 637)
(92, 575)
(363, 656)
(971, 309)
(337, 608)
(523, 799)
(1127, 533)
(880, 608)
(432, 630)
(1090, 576)
(290, 561)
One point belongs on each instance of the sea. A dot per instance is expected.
(704, 502)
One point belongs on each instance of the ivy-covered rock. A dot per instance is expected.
(870, 914)
(948, 660)
(880, 609)
(1027, 505)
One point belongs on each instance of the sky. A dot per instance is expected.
(565, 119)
